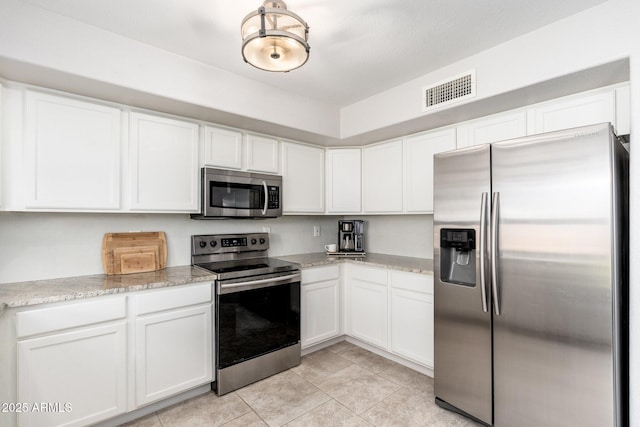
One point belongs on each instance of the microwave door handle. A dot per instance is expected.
(266, 198)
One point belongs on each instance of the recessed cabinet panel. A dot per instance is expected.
(163, 168)
(302, 178)
(71, 154)
(320, 318)
(173, 352)
(412, 325)
(575, 111)
(262, 154)
(418, 167)
(491, 129)
(82, 372)
(368, 316)
(382, 174)
(344, 180)
(222, 148)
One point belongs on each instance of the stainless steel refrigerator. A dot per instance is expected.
(531, 275)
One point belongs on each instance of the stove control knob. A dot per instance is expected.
(203, 244)
(254, 241)
(213, 243)
(262, 240)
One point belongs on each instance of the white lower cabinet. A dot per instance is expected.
(392, 310)
(412, 316)
(82, 362)
(173, 341)
(71, 363)
(320, 304)
(367, 310)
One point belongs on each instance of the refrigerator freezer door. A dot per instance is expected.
(553, 340)
(462, 365)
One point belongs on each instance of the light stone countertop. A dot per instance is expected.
(35, 292)
(393, 262)
(20, 294)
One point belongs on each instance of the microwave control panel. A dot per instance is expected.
(274, 197)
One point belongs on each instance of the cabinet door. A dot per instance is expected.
(173, 352)
(412, 325)
(262, 154)
(418, 167)
(382, 176)
(79, 376)
(368, 305)
(491, 129)
(71, 154)
(574, 111)
(222, 148)
(302, 178)
(163, 164)
(320, 312)
(344, 175)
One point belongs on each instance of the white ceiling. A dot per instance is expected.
(358, 47)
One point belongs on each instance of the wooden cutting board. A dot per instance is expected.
(125, 253)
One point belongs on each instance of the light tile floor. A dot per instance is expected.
(342, 385)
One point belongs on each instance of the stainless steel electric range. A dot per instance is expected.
(257, 313)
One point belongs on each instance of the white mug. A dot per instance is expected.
(331, 247)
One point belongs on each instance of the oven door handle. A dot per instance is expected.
(260, 283)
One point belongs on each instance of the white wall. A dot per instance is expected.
(35, 36)
(50, 245)
(596, 36)
(405, 235)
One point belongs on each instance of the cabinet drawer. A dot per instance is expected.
(412, 281)
(369, 274)
(319, 274)
(71, 315)
(167, 299)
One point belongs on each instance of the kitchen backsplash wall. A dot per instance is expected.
(406, 235)
(49, 245)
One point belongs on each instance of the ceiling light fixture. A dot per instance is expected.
(274, 38)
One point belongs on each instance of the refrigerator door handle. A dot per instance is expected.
(494, 251)
(483, 250)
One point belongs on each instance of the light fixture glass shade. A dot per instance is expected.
(275, 39)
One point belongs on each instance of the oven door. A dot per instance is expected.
(240, 194)
(256, 317)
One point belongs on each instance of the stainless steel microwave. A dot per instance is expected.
(238, 194)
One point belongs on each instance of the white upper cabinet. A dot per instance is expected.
(71, 154)
(573, 111)
(344, 180)
(262, 154)
(302, 178)
(222, 148)
(491, 129)
(163, 164)
(418, 167)
(382, 177)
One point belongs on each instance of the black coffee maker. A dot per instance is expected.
(351, 235)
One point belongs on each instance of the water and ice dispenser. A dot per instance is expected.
(458, 256)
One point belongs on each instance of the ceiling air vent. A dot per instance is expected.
(447, 92)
